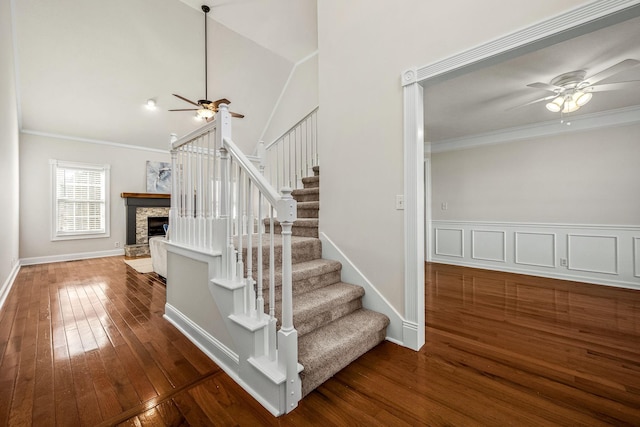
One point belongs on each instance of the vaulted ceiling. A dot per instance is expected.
(87, 67)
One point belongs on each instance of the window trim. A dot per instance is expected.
(53, 167)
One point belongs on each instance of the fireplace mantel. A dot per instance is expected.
(133, 201)
(145, 196)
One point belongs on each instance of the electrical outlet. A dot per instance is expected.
(444, 206)
(563, 262)
(117, 244)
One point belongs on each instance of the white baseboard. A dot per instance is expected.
(8, 284)
(373, 299)
(598, 254)
(70, 257)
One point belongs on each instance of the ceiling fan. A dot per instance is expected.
(206, 109)
(574, 89)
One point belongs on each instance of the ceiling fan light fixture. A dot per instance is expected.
(556, 105)
(570, 105)
(204, 113)
(581, 98)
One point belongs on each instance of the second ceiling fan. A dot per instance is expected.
(206, 109)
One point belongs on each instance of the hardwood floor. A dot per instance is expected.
(84, 343)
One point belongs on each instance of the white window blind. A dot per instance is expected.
(80, 200)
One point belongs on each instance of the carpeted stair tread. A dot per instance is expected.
(306, 276)
(327, 350)
(311, 181)
(319, 307)
(302, 248)
(300, 222)
(306, 194)
(306, 227)
(308, 209)
(316, 170)
(309, 205)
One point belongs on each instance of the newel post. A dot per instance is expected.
(287, 335)
(223, 130)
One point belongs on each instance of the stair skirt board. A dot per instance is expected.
(218, 352)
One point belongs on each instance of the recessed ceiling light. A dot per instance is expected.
(151, 104)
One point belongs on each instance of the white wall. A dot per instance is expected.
(590, 177)
(364, 46)
(128, 169)
(299, 97)
(9, 137)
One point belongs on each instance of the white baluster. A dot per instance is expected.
(260, 298)
(272, 289)
(250, 283)
(198, 194)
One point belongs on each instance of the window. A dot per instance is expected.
(80, 200)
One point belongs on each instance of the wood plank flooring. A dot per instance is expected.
(84, 343)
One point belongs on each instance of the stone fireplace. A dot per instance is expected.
(140, 207)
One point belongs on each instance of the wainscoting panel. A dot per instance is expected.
(538, 249)
(600, 254)
(489, 245)
(594, 254)
(449, 242)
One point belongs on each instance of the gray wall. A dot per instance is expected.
(589, 177)
(128, 169)
(9, 138)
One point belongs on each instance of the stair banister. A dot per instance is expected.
(202, 161)
(292, 155)
(286, 209)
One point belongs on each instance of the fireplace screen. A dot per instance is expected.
(155, 225)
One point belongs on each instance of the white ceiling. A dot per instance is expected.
(481, 101)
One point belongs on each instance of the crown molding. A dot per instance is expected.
(605, 119)
(93, 141)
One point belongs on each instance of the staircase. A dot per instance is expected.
(261, 302)
(333, 328)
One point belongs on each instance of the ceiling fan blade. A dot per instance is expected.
(220, 101)
(186, 109)
(240, 116)
(185, 99)
(633, 84)
(614, 69)
(546, 86)
(535, 101)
